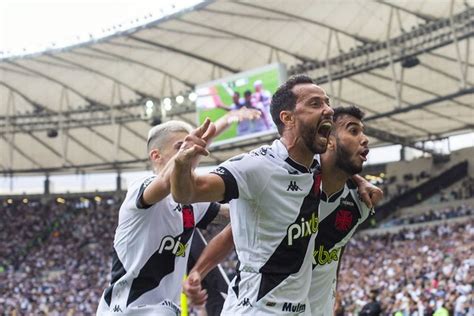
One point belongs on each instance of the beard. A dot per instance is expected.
(309, 135)
(343, 160)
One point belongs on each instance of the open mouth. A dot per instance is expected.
(364, 154)
(324, 129)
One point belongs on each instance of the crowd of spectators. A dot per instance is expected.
(461, 192)
(56, 257)
(22, 226)
(65, 272)
(393, 187)
(432, 215)
(415, 272)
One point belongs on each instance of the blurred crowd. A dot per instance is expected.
(65, 271)
(432, 215)
(56, 257)
(461, 192)
(414, 272)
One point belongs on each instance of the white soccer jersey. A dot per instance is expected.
(274, 216)
(339, 216)
(151, 249)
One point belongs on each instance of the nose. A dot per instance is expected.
(328, 111)
(365, 140)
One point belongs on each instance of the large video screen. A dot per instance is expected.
(251, 89)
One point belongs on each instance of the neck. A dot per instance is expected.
(333, 178)
(156, 169)
(297, 151)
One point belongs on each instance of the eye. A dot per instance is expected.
(354, 131)
(177, 145)
(316, 103)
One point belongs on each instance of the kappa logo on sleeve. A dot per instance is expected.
(220, 171)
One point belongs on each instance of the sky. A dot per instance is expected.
(38, 24)
(28, 26)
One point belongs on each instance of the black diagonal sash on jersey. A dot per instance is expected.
(161, 264)
(118, 271)
(287, 260)
(336, 225)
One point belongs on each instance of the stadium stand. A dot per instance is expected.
(407, 66)
(54, 263)
(63, 272)
(416, 271)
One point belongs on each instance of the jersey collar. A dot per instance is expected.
(281, 150)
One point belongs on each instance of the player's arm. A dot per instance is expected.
(369, 193)
(216, 251)
(235, 116)
(186, 186)
(160, 187)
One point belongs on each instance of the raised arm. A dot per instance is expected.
(186, 186)
(217, 250)
(232, 116)
(160, 187)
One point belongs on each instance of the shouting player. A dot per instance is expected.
(274, 201)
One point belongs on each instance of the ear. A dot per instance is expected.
(154, 154)
(287, 118)
(331, 142)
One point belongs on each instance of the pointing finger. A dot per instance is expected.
(210, 132)
(202, 129)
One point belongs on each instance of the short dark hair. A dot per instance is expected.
(284, 99)
(351, 110)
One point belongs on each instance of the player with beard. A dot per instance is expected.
(340, 213)
(340, 209)
(274, 198)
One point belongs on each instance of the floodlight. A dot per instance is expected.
(179, 99)
(192, 96)
(149, 104)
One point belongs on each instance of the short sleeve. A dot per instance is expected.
(244, 176)
(139, 203)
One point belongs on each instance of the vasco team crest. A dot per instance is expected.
(343, 220)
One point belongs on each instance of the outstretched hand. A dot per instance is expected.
(193, 290)
(195, 143)
(243, 114)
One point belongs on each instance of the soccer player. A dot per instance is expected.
(274, 198)
(151, 244)
(341, 211)
(262, 99)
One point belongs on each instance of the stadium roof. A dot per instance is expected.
(408, 64)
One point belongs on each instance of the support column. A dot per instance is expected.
(119, 181)
(402, 153)
(46, 185)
